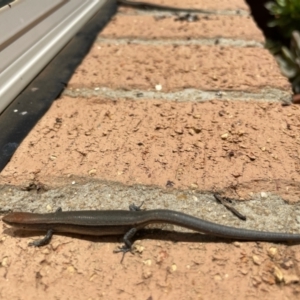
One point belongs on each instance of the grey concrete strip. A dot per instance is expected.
(203, 42)
(265, 212)
(265, 95)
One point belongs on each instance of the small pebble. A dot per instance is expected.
(256, 260)
(272, 251)
(158, 87)
(263, 195)
(224, 136)
(278, 274)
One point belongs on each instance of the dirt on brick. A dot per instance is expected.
(171, 27)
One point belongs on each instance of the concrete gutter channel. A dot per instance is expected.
(19, 114)
(98, 81)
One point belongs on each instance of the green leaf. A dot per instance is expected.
(272, 23)
(270, 6)
(288, 55)
(282, 3)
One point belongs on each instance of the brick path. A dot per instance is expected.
(166, 111)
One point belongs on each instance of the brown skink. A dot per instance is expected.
(127, 223)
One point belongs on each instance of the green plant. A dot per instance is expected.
(286, 16)
(287, 19)
(289, 61)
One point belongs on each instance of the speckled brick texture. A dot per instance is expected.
(170, 27)
(143, 67)
(204, 146)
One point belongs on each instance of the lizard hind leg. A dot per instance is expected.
(127, 242)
